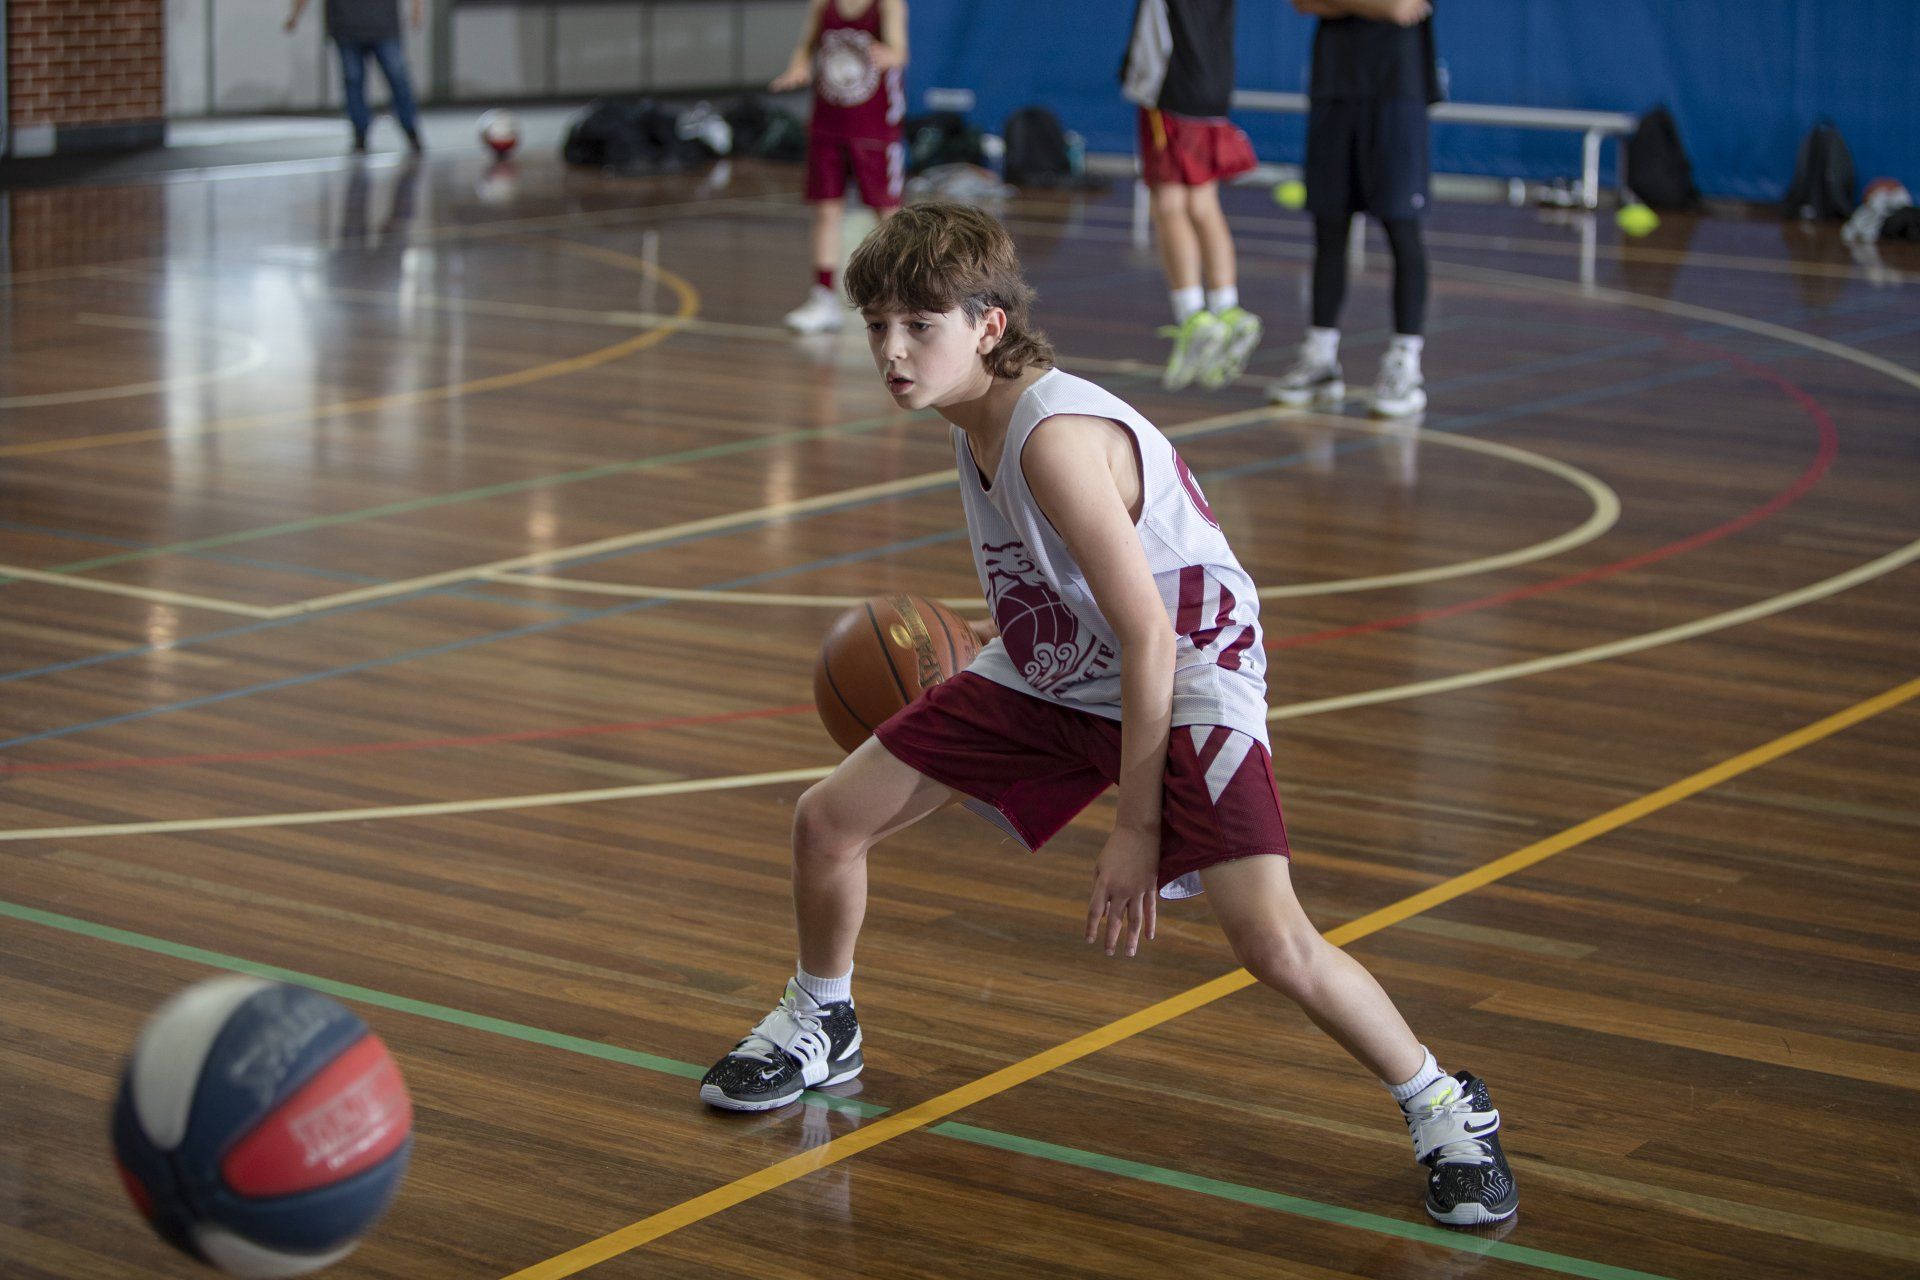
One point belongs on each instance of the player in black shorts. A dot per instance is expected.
(1374, 76)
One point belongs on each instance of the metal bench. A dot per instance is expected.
(1593, 126)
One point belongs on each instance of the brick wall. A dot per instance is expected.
(85, 62)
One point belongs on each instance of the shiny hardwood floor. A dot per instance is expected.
(413, 577)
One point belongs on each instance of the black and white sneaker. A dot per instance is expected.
(796, 1047)
(1456, 1134)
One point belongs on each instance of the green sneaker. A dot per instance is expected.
(1236, 348)
(1196, 347)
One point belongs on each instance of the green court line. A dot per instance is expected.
(410, 505)
(1459, 1242)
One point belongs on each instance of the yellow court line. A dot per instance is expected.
(689, 304)
(894, 1125)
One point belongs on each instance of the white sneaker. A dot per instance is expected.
(820, 313)
(1400, 391)
(1310, 381)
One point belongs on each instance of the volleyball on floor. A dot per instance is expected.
(261, 1127)
(500, 132)
(882, 654)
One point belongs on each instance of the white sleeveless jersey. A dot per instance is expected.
(1053, 641)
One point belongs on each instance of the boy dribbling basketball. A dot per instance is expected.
(1129, 653)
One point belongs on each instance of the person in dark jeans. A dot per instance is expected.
(359, 28)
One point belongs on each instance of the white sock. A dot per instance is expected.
(1187, 302)
(1408, 343)
(824, 990)
(1422, 1079)
(1223, 299)
(1322, 345)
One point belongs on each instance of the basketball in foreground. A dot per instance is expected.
(881, 655)
(261, 1127)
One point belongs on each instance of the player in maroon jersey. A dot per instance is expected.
(853, 52)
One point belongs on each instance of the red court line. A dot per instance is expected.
(1829, 448)
(1822, 460)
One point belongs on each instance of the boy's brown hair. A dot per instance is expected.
(938, 256)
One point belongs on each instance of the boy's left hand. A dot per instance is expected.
(1125, 888)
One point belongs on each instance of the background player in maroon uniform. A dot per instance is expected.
(853, 52)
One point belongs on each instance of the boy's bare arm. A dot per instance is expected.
(890, 51)
(1069, 464)
(799, 70)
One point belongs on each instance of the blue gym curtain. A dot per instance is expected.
(1744, 78)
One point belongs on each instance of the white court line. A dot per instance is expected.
(256, 355)
(1613, 649)
(710, 524)
(1396, 693)
(494, 804)
(151, 594)
(1605, 514)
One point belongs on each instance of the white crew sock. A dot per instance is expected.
(1322, 345)
(824, 990)
(1421, 1080)
(1187, 302)
(1223, 299)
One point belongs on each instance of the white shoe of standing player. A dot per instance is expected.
(820, 313)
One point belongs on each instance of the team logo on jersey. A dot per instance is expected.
(844, 68)
(1044, 638)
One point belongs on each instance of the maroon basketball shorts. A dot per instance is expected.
(1189, 151)
(878, 165)
(1031, 765)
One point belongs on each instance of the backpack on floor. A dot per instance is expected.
(765, 130)
(1037, 154)
(632, 135)
(941, 137)
(1823, 178)
(1657, 166)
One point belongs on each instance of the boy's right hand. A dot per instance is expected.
(794, 77)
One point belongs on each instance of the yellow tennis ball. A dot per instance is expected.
(1636, 219)
(1291, 194)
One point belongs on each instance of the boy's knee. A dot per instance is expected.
(1278, 956)
(819, 834)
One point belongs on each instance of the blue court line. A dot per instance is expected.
(591, 615)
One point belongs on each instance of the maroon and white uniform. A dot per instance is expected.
(1040, 746)
(857, 109)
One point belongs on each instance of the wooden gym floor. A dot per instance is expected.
(413, 577)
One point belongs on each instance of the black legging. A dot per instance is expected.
(1409, 272)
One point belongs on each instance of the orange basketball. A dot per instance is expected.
(880, 656)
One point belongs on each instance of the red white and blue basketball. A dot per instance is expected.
(261, 1127)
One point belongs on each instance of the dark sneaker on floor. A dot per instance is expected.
(796, 1047)
(1456, 1135)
